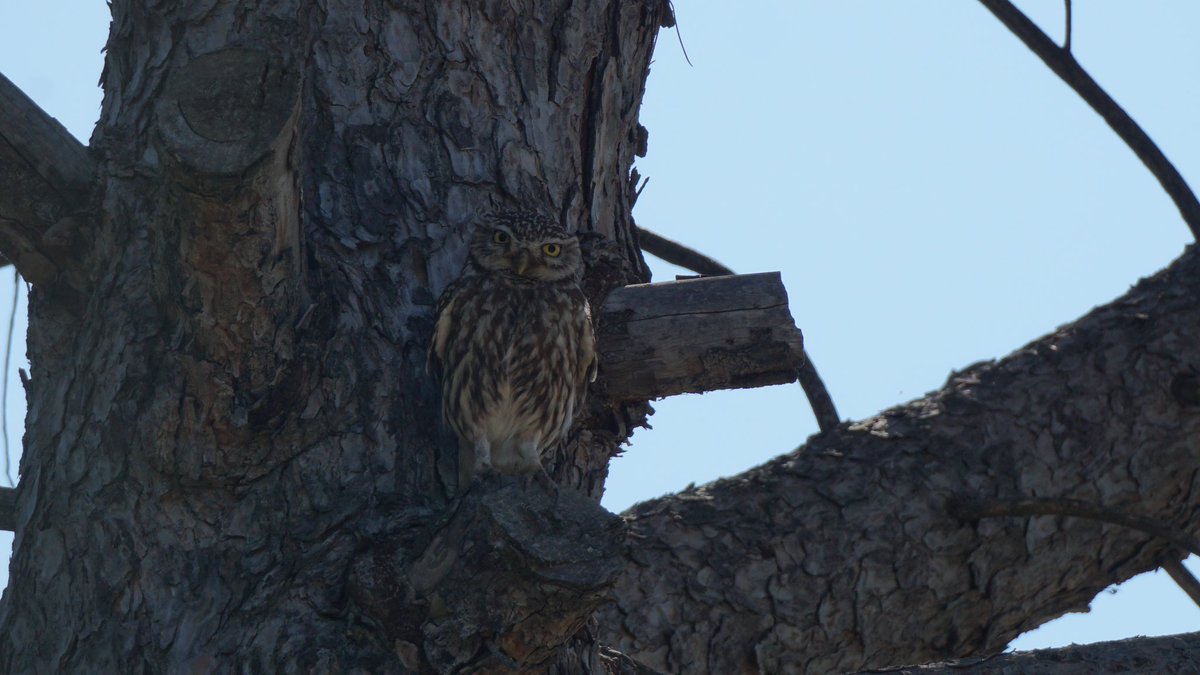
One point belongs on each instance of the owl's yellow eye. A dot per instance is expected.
(501, 237)
(551, 250)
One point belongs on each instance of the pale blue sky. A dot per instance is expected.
(931, 192)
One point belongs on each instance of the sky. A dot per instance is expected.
(932, 194)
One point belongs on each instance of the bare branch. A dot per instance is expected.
(45, 176)
(1060, 60)
(1067, 39)
(678, 254)
(818, 396)
(1183, 578)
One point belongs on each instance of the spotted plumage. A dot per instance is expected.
(514, 344)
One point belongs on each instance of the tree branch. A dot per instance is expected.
(1167, 655)
(1060, 60)
(842, 555)
(45, 177)
(1183, 578)
(677, 254)
(818, 396)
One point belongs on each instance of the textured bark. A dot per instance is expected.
(1170, 655)
(848, 554)
(231, 426)
(45, 179)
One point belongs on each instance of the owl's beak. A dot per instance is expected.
(521, 262)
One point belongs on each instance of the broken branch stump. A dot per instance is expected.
(697, 335)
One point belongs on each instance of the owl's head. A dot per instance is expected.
(526, 244)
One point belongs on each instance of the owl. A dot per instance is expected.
(514, 345)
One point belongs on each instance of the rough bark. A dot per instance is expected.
(1169, 655)
(854, 552)
(231, 425)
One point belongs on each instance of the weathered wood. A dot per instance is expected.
(698, 335)
(45, 175)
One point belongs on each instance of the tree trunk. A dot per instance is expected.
(233, 457)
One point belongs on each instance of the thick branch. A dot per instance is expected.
(697, 335)
(1165, 655)
(45, 175)
(843, 555)
(1060, 60)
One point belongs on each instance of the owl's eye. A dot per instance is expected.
(551, 250)
(501, 237)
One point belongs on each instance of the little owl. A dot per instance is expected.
(514, 344)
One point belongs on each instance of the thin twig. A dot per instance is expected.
(975, 509)
(678, 254)
(1067, 39)
(689, 258)
(678, 33)
(1060, 60)
(12, 322)
(818, 396)
(1183, 578)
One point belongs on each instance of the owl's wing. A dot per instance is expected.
(441, 329)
